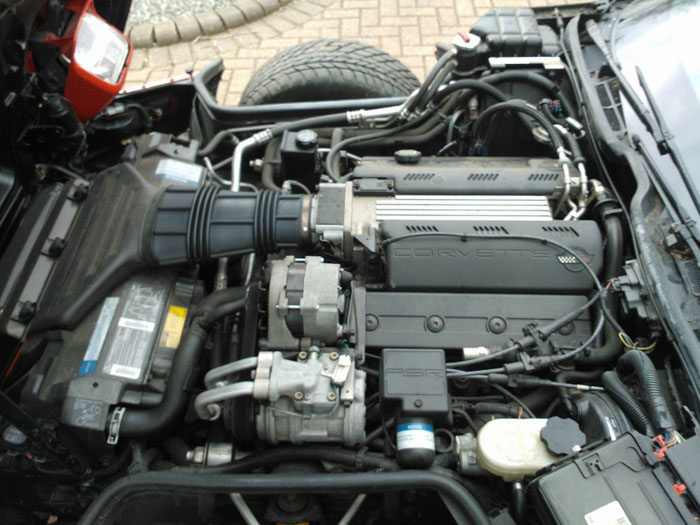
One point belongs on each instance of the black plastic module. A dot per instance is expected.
(413, 382)
(620, 482)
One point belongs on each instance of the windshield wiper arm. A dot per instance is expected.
(685, 229)
(638, 106)
(652, 120)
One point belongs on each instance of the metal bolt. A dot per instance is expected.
(302, 355)
(576, 449)
(567, 329)
(497, 325)
(298, 396)
(331, 396)
(418, 403)
(435, 323)
(371, 323)
(334, 356)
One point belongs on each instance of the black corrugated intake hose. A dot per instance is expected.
(463, 506)
(191, 225)
(638, 362)
(148, 422)
(629, 404)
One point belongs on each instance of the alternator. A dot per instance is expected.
(305, 303)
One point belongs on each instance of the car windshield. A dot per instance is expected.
(661, 37)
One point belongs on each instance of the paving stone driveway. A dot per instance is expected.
(407, 29)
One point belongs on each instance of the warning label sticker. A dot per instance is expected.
(610, 514)
(131, 345)
(173, 327)
(97, 340)
(178, 171)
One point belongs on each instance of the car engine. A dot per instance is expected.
(440, 287)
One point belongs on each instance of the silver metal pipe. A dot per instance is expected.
(205, 403)
(244, 509)
(220, 372)
(352, 510)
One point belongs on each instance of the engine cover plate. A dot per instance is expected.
(456, 321)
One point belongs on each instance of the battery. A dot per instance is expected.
(621, 482)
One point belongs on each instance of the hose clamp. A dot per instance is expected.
(114, 425)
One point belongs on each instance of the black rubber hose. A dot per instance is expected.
(278, 455)
(475, 85)
(497, 408)
(614, 255)
(418, 99)
(436, 85)
(177, 450)
(215, 141)
(536, 80)
(574, 376)
(538, 399)
(330, 158)
(600, 355)
(518, 107)
(628, 403)
(215, 299)
(613, 247)
(336, 138)
(147, 422)
(640, 363)
(464, 507)
(268, 168)
(334, 119)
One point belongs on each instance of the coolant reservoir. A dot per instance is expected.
(512, 448)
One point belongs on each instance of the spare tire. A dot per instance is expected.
(328, 69)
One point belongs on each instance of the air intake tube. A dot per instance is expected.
(191, 225)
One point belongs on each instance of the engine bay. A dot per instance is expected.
(443, 287)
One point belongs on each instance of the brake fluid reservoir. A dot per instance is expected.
(512, 448)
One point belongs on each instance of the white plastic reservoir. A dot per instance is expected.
(512, 448)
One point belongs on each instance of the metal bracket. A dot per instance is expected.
(115, 424)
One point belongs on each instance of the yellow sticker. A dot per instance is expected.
(174, 324)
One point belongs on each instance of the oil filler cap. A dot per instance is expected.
(407, 156)
(562, 436)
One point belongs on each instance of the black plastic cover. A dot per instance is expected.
(621, 482)
(562, 436)
(492, 263)
(467, 320)
(466, 175)
(414, 383)
(510, 32)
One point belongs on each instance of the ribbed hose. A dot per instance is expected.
(640, 363)
(630, 405)
(191, 225)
